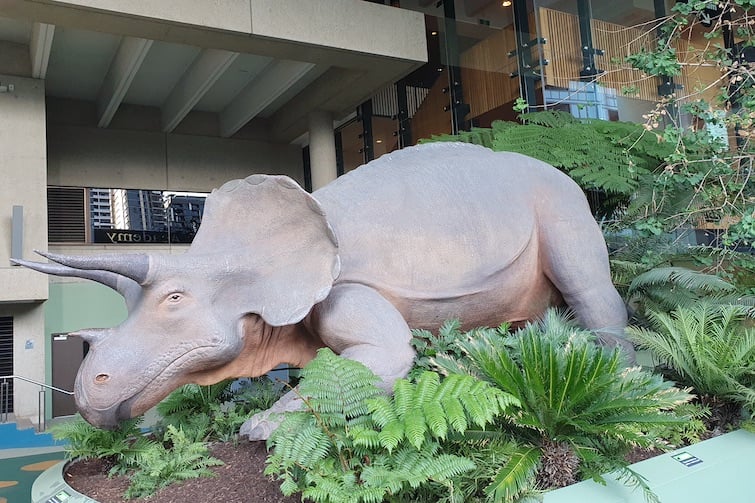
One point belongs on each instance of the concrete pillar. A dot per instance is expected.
(322, 149)
(23, 161)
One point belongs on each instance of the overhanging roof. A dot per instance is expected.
(240, 59)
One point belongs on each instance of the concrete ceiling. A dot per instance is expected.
(239, 59)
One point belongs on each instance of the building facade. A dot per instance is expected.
(110, 108)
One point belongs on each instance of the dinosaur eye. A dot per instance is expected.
(174, 297)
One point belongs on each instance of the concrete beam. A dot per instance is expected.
(123, 69)
(198, 79)
(277, 78)
(357, 34)
(39, 48)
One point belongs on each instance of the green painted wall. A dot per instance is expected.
(82, 305)
(75, 305)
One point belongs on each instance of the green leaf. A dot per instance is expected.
(515, 476)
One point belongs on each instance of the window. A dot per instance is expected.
(121, 216)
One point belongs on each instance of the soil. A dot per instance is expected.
(239, 480)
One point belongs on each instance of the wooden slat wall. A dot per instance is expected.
(486, 73)
(699, 81)
(563, 50)
(618, 42)
(430, 118)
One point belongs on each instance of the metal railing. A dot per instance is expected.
(5, 397)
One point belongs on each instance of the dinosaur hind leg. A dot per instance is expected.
(577, 263)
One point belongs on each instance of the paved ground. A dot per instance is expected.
(23, 456)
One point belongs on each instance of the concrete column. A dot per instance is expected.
(322, 149)
(23, 161)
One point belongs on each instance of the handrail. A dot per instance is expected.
(32, 381)
(42, 424)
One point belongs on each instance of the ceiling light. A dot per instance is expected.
(378, 141)
(506, 3)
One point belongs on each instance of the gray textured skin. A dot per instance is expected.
(412, 239)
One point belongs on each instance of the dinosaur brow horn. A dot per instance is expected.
(128, 288)
(106, 278)
(132, 265)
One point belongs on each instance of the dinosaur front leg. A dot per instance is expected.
(358, 323)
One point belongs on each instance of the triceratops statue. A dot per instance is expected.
(416, 237)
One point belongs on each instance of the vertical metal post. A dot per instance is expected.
(41, 410)
(4, 401)
(584, 13)
(457, 106)
(404, 125)
(666, 86)
(338, 136)
(734, 89)
(307, 167)
(17, 232)
(364, 115)
(524, 53)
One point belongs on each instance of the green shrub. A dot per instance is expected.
(123, 445)
(160, 466)
(706, 346)
(580, 408)
(354, 444)
(215, 411)
(598, 154)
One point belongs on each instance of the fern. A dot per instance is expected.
(160, 467)
(605, 155)
(214, 411)
(124, 445)
(430, 409)
(664, 288)
(356, 444)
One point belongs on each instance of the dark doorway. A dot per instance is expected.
(67, 355)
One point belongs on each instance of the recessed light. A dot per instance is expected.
(433, 33)
(378, 141)
(506, 3)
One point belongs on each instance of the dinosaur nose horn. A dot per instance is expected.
(90, 335)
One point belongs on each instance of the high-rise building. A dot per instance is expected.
(184, 213)
(146, 211)
(100, 208)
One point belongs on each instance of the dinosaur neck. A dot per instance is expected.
(265, 347)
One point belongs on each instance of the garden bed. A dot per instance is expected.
(239, 480)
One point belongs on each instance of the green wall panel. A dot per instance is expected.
(82, 305)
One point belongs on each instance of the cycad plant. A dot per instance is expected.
(353, 443)
(581, 410)
(663, 289)
(707, 346)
